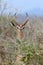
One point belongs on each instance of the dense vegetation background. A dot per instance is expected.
(28, 50)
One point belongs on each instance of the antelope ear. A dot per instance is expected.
(12, 23)
(25, 22)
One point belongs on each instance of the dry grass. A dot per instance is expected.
(8, 38)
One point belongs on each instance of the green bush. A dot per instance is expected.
(31, 55)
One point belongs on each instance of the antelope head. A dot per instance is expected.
(19, 27)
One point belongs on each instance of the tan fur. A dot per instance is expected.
(20, 34)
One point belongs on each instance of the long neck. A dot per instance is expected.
(19, 34)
